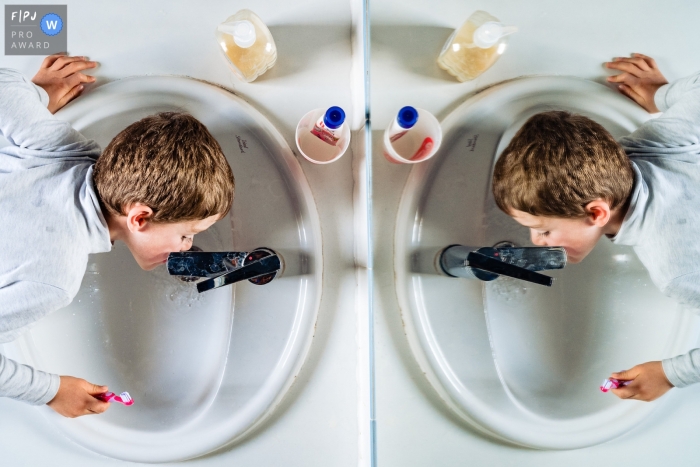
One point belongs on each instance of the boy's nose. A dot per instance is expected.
(537, 239)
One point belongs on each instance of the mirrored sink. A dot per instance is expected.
(203, 369)
(517, 361)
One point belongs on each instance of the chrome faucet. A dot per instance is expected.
(222, 268)
(504, 259)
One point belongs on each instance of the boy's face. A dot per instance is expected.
(577, 236)
(152, 243)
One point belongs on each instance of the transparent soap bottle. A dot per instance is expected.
(475, 46)
(247, 45)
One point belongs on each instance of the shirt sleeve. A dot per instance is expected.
(24, 383)
(29, 126)
(21, 304)
(678, 128)
(683, 370)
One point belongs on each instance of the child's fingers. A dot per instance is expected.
(629, 92)
(627, 375)
(640, 62)
(628, 391)
(69, 96)
(630, 68)
(625, 392)
(77, 78)
(94, 389)
(621, 78)
(650, 61)
(49, 60)
(76, 66)
(63, 60)
(96, 406)
(86, 78)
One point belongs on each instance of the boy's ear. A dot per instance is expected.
(598, 212)
(137, 217)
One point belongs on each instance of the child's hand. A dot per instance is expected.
(649, 382)
(640, 79)
(75, 398)
(60, 77)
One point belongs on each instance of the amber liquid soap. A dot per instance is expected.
(247, 44)
(475, 46)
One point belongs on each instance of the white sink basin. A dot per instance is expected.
(202, 369)
(519, 361)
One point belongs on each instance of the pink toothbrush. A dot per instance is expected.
(123, 398)
(612, 383)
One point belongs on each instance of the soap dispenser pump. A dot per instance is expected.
(475, 46)
(247, 44)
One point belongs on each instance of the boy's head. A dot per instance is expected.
(159, 182)
(566, 178)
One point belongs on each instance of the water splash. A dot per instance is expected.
(179, 293)
(506, 288)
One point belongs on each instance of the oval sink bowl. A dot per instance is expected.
(203, 369)
(518, 361)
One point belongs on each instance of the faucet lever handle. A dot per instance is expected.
(536, 258)
(204, 263)
(496, 266)
(258, 268)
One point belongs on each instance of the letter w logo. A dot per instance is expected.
(51, 24)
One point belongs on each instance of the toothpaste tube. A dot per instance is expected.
(404, 121)
(612, 383)
(328, 128)
(123, 398)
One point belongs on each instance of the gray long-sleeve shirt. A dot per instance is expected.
(50, 220)
(663, 220)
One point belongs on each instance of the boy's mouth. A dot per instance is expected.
(572, 259)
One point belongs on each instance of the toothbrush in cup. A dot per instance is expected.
(123, 398)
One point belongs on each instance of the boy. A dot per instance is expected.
(158, 183)
(566, 178)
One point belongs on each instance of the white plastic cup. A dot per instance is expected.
(312, 147)
(419, 144)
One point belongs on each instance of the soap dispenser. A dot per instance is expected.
(247, 45)
(475, 46)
